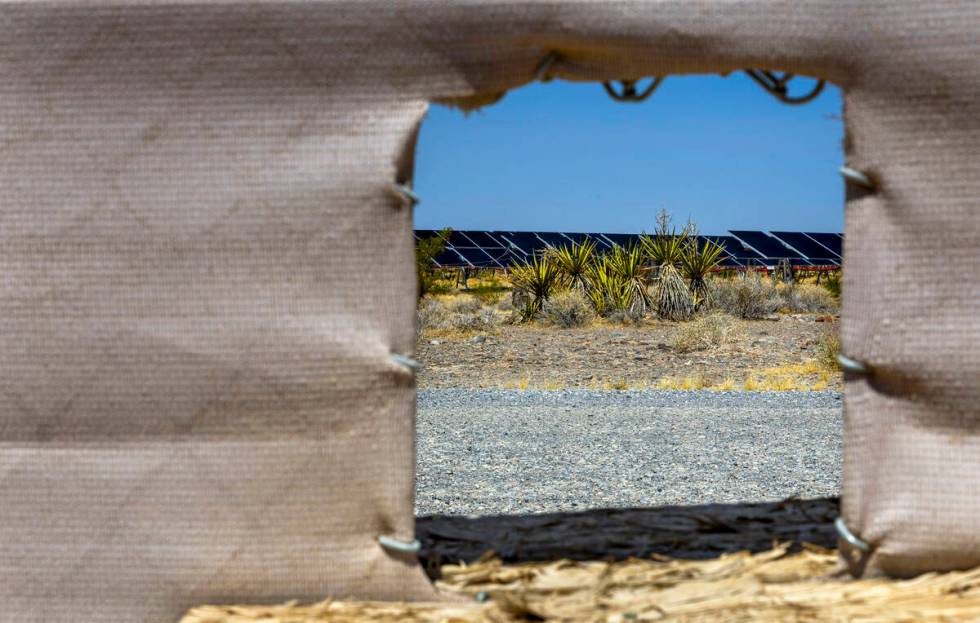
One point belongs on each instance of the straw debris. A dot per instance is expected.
(774, 585)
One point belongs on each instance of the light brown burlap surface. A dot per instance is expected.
(203, 272)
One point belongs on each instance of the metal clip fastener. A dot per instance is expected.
(411, 547)
(406, 195)
(629, 93)
(852, 365)
(541, 73)
(857, 177)
(408, 362)
(776, 85)
(849, 536)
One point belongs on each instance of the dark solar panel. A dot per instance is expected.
(601, 243)
(475, 256)
(794, 261)
(457, 239)
(807, 246)
(450, 257)
(479, 239)
(552, 239)
(623, 240)
(735, 248)
(501, 248)
(525, 241)
(576, 238)
(763, 243)
(833, 242)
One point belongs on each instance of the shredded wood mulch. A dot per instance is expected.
(531, 574)
(769, 586)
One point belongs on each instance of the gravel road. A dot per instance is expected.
(484, 452)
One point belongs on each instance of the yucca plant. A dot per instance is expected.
(574, 262)
(665, 249)
(608, 290)
(598, 276)
(666, 246)
(630, 265)
(536, 279)
(620, 296)
(674, 300)
(697, 261)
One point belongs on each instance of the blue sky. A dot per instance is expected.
(564, 157)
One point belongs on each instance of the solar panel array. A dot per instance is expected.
(742, 248)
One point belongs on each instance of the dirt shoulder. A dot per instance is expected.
(786, 352)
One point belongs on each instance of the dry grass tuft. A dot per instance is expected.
(616, 385)
(807, 298)
(704, 333)
(689, 382)
(748, 296)
(454, 316)
(568, 309)
(810, 375)
(829, 348)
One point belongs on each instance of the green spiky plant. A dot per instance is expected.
(630, 265)
(665, 249)
(666, 245)
(536, 279)
(598, 277)
(608, 290)
(574, 262)
(697, 262)
(674, 300)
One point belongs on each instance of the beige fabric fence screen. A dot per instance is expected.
(197, 398)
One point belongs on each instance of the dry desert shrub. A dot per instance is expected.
(505, 303)
(748, 296)
(625, 316)
(482, 320)
(463, 305)
(705, 332)
(568, 309)
(462, 314)
(808, 298)
(432, 314)
(829, 349)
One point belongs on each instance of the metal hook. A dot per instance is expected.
(852, 365)
(775, 85)
(405, 194)
(407, 362)
(857, 177)
(629, 93)
(541, 74)
(852, 540)
(410, 547)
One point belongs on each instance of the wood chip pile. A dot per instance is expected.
(775, 585)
